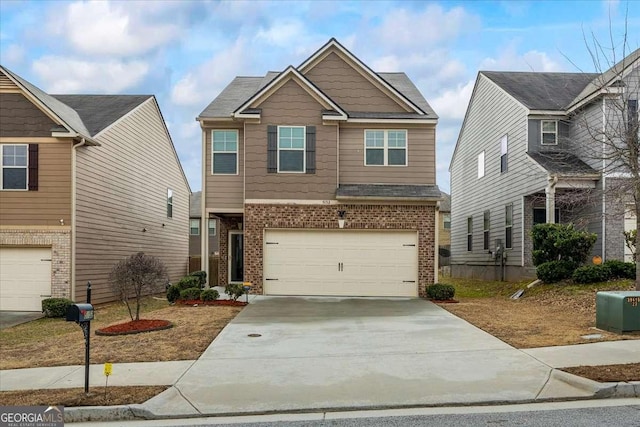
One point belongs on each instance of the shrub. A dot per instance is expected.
(440, 292)
(234, 290)
(592, 274)
(173, 293)
(560, 242)
(621, 270)
(56, 307)
(209, 295)
(190, 294)
(188, 282)
(555, 271)
(201, 275)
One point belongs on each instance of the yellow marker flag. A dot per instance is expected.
(108, 368)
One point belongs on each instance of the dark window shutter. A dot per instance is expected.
(311, 149)
(272, 149)
(33, 167)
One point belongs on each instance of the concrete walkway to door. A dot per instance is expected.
(300, 354)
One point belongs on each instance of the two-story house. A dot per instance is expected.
(323, 177)
(86, 181)
(535, 148)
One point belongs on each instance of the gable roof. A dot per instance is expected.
(541, 91)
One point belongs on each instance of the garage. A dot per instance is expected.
(341, 263)
(25, 278)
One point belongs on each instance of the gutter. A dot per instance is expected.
(74, 179)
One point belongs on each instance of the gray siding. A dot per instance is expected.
(535, 136)
(122, 189)
(491, 114)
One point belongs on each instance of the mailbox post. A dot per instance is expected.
(83, 314)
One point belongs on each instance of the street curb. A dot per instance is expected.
(599, 390)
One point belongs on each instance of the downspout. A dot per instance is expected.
(604, 178)
(74, 187)
(436, 244)
(550, 192)
(204, 223)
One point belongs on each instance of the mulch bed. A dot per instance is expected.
(135, 327)
(607, 373)
(226, 302)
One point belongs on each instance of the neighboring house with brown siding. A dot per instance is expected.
(444, 231)
(86, 181)
(198, 228)
(323, 180)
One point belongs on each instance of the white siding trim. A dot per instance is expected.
(204, 241)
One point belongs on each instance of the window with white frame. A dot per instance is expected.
(470, 233)
(291, 148)
(446, 218)
(212, 226)
(508, 226)
(169, 203)
(14, 167)
(504, 142)
(481, 165)
(194, 227)
(385, 147)
(486, 226)
(549, 132)
(224, 152)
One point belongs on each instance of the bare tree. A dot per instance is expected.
(136, 276)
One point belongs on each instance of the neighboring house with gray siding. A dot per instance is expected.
(323, 180)
(530, 151)
(86, 181)
(197, 228)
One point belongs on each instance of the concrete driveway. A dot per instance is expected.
(13, 318)
(287, 354)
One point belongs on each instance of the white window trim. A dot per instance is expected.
(385, 148)
(2, 167)
(486, 229)
(303, 149)
(191, 221)
(469, 233)
(504, 151)
(506, 226)
(236, 152)
(215, 227)
(481, 165)
(169, 202)
(542, 132)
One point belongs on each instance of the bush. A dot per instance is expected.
(621, 270)
(209, 295)
(55, 307)
(559, 242)
(188, 282)
(201, 275)
(173, 293)
(190, 294)
(591, 274)
(440, 292)
(555, 271)
(234, 290)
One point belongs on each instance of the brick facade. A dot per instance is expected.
(258, 217)
(59, 240)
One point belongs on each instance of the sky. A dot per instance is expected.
(186, 52)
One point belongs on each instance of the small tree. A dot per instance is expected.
(560, 242)
(631, 239)
(136, 276)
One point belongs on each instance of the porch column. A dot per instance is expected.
(550, 192)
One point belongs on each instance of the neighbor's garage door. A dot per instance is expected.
(25, 278)
(341, 263)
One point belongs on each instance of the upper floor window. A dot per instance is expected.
(291, 149)
(385, 148)
(446, 219)
(549, 132)
(169, 203)
(212, 227)
(481, 165)
(470, 233)
(194, 227)
(224, 152)
(14, 167)
(504, 142)
(508, 226)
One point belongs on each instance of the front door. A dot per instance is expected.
(236, 262)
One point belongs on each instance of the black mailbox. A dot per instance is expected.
(80, 313)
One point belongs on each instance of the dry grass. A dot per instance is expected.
(76, 396)
(55, 342)
(608, 373)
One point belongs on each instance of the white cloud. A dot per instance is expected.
(452, 103)
(281, 34)
(510, 60)
(13, 54)
(113, 28)
(61, 74)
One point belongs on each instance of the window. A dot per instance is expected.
(446, 217)
(14, 167)
(540, 216)
(508, 226)
(224, 152)
(385, 147)
(212, 227)
(169, 203)
(481, 165)
(549, 132)
(485, 229)
(194, 227)
(291, 145)
(470, 233)
(503, 153)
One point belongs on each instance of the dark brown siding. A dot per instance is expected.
(19, 117)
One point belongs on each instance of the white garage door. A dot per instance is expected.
(25, 278)
(341, 263)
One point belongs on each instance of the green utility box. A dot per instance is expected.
(618, 311)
